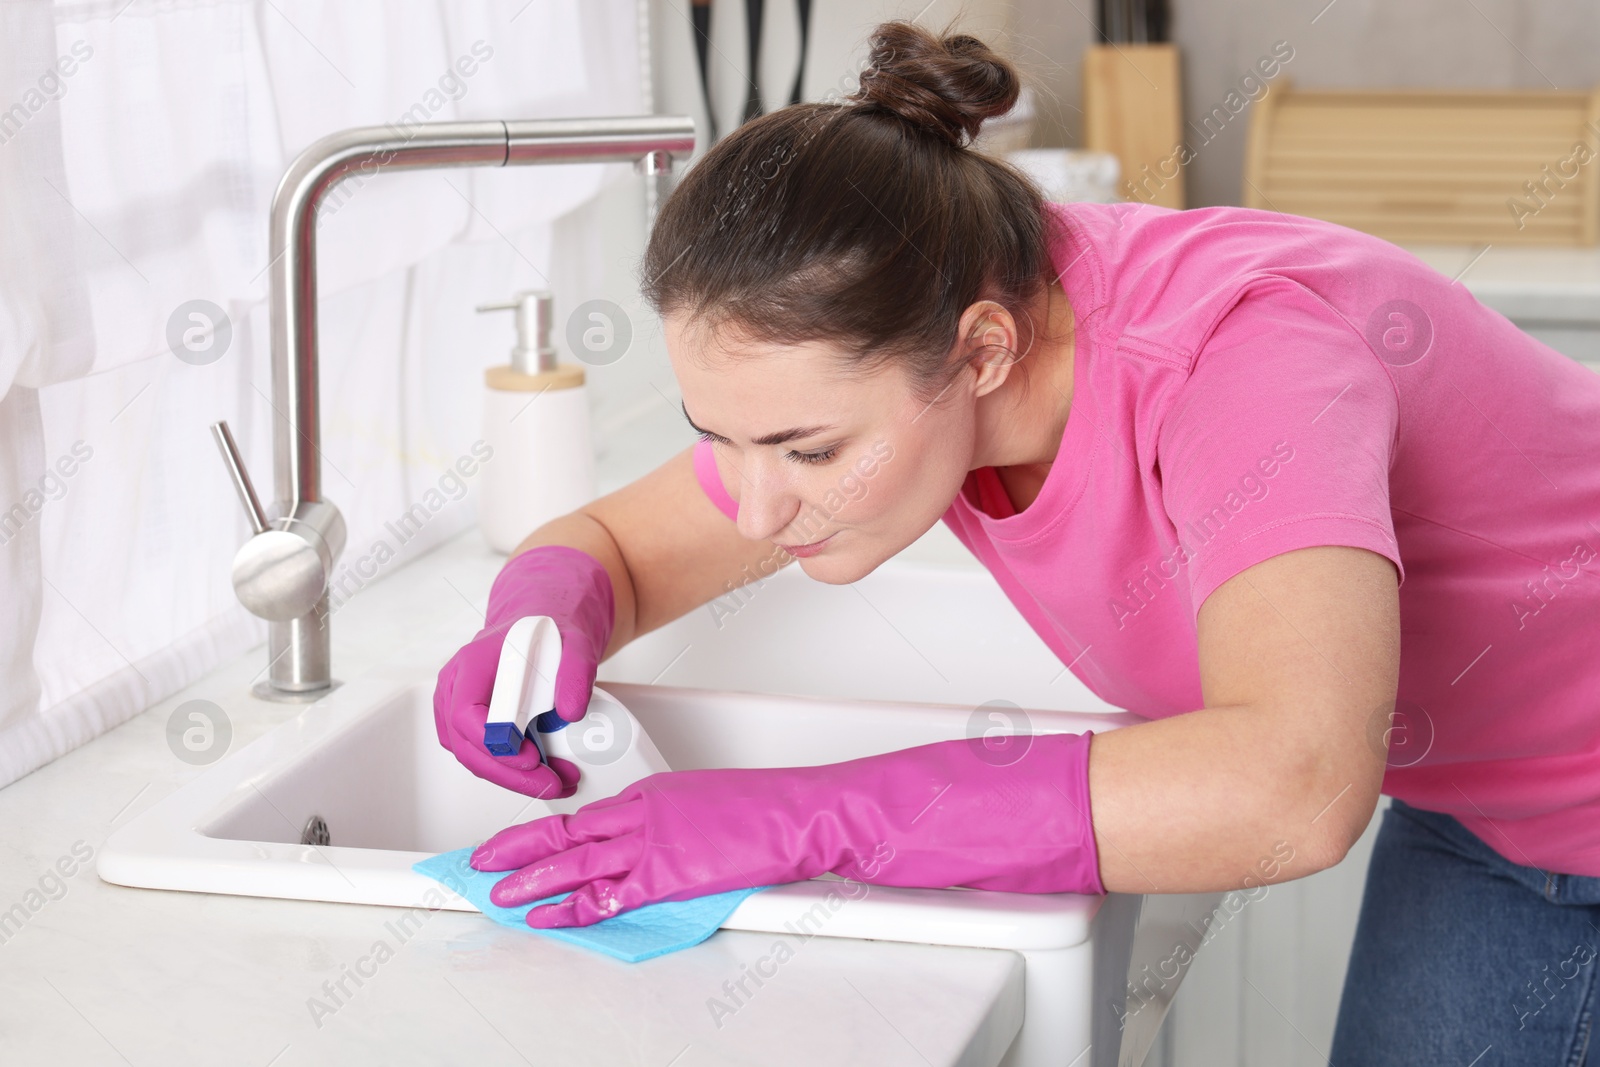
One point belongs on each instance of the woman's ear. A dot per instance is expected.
(992, 344)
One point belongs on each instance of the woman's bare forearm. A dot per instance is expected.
(1279, 775)
(666, 547)
(1201, 802)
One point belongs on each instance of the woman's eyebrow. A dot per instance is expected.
(781, 437)
(695, 426)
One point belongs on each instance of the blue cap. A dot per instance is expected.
(549, 722)
(502, 738)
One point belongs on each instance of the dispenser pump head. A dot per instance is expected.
(535, 309)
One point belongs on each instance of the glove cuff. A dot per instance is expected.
(568, 582)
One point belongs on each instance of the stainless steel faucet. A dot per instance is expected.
(282, 572)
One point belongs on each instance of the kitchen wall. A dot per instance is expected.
(1346, 43)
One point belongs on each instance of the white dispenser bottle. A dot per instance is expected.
(609, 747)
(536, 422)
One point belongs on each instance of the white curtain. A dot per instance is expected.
(140, 143)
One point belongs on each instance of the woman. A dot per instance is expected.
(1200, 451)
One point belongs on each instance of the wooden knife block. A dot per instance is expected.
(1132, 108)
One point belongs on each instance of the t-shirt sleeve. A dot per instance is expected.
(1281, 438)
(705, 469)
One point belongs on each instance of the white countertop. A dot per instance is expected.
(95, 973)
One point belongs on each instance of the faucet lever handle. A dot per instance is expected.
(241, 476)
(283, 570)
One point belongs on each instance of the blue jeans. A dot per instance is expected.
(1464, 959)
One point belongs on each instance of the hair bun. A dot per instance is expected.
(947, 85)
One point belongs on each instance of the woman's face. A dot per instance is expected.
(843, 470)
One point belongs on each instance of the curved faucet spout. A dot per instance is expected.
(299, 667)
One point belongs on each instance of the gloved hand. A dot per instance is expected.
(571, 587)
(952, 813)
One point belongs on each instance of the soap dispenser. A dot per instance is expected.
(536, 421)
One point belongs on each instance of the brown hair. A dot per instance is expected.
(868, 223)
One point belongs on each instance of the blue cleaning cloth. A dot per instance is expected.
(652, 930)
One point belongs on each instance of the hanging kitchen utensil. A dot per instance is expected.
(755, 17)
(700, 15)
(754, 11)
(804, 9)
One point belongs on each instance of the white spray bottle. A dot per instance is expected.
(609, 747)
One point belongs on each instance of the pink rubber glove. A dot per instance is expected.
(571, 587)
(953, 813)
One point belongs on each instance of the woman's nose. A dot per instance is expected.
(766, 503)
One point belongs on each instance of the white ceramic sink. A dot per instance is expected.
(792, 672)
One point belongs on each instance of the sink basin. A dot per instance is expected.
(905, 632)
(790, 673)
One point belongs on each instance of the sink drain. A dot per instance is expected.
(316, 831)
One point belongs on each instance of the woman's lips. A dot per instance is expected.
(802, 551)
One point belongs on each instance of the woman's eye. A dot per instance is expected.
(815, 457)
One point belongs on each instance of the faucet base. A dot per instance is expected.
(264, 690)
(268, 691)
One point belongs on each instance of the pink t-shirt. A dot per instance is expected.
(1249, 383)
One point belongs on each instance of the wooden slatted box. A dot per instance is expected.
(1446, 167)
